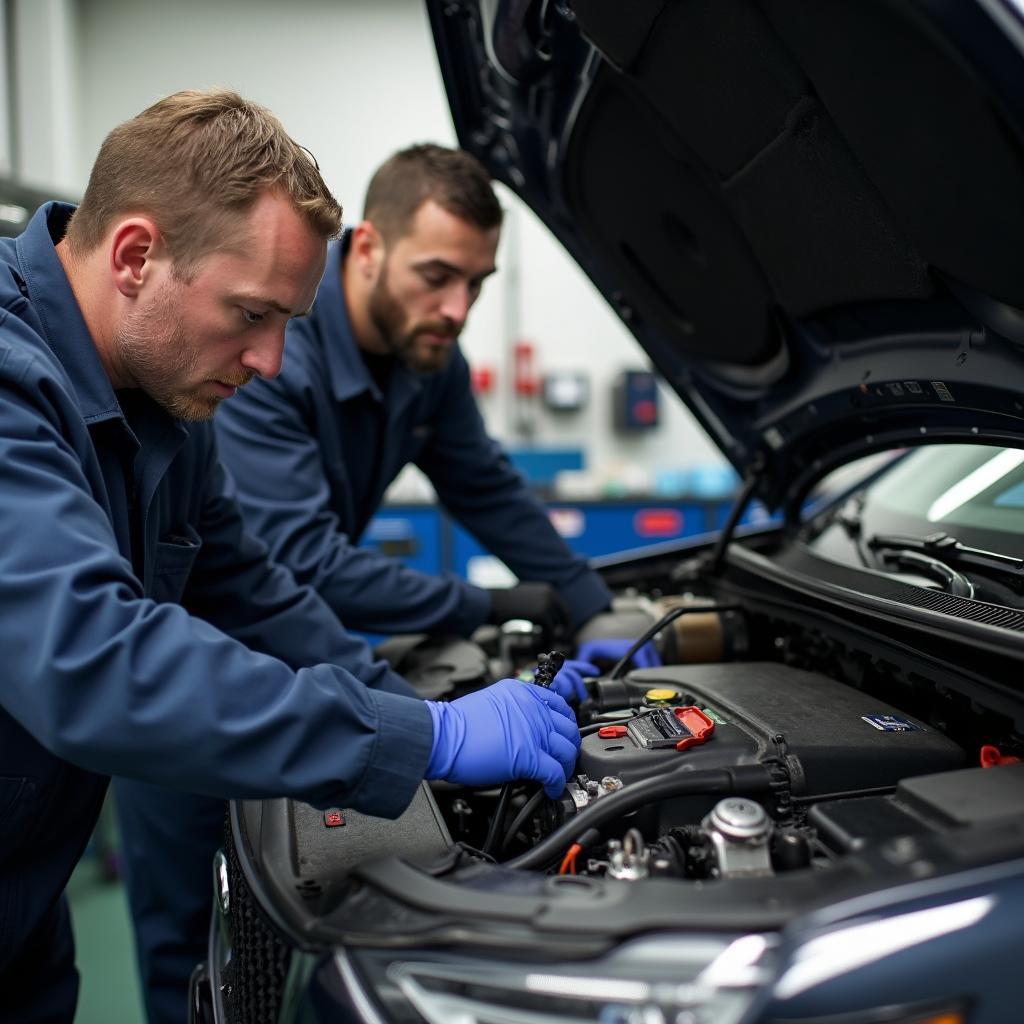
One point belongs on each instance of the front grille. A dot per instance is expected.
(254, 978)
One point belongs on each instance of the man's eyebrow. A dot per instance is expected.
(273, 304)
(440, 264)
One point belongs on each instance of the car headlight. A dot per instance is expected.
(668, 980)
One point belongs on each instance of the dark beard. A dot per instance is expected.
(388, 318)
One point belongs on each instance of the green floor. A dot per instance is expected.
(103, 940)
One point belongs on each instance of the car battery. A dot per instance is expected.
(831, 738)
(678, 728)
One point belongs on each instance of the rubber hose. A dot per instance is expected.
(521, 818)
(745, 778)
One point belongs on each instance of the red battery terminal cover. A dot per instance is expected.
(699, 725)
(992, 757)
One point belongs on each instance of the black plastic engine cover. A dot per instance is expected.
(834, 737)
(930, 803)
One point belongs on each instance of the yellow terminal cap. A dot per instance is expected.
(661, 694)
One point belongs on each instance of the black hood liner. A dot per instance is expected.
(770, 99)
(795, 205)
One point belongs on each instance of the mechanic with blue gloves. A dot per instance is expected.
(144, 632)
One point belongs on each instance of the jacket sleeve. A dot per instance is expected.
(118, 684)
(277, 474)
(486, 494)
(236, 587)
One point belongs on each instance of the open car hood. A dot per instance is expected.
(809, 214)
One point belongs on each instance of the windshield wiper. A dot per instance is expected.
(934, 555)
(939, 552)
(896, 557)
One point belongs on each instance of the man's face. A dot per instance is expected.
(190, 343)
(427, 284)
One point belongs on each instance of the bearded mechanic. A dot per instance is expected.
(375, 380)
(145, 634)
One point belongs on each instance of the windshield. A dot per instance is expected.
(971, 494)
(953, 487)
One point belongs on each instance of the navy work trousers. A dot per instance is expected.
(41, 985)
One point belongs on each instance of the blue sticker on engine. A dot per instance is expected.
(890, 723)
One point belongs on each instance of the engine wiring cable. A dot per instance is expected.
(568, 866)
(584, 841)
(851, 794)
(747, 778)
(498, 819)
(524, 815)
(670, 616)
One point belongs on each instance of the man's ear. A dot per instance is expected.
(135, 245)
(367, 247)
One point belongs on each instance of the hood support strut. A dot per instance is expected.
(747, 491)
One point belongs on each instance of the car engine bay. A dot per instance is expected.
(724, 762)
(767, 763)
(784, 757)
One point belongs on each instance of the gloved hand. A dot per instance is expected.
(510, 730)
(569, 685)
(611, 649)
(536, 602)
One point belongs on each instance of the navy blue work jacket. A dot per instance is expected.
(296, 449)
(132, 605)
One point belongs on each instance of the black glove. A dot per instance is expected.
(536, 602)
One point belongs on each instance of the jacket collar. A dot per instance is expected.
(346, 369)
(69, 338)
(64, 326)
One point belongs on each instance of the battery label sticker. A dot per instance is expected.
(890, 723)
(715, 716)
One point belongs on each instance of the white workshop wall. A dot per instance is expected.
(354, 80)
(39, 93)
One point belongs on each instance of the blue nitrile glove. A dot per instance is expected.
(610, 649)
(510, 730)
(568, 684)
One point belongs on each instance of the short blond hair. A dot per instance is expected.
(193, 162)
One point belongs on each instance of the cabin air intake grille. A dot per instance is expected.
(798, 559)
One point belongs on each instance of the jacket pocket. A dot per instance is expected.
(176, 554)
